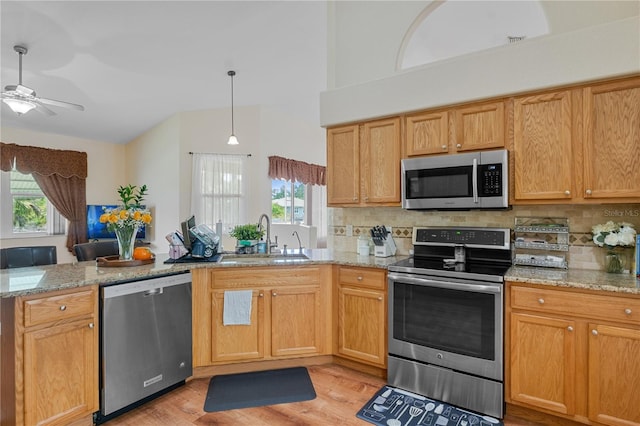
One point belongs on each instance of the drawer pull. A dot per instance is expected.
(359, 278)
(541, 301)
(63, 307)
(594, 332)
(627, 311)
(570, 328)
(90, 325)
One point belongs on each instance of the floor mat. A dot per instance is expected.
(231, 391)
(392, 406)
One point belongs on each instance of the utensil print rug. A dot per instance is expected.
(255, 389)
(392, 406)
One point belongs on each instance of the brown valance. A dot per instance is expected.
(294, 170)
(43, 161)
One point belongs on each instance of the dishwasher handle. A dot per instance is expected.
(154, 291)
(149, 287)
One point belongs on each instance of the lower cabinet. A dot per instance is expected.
(362, 315)
(54, 366)
(574, 354)
(290, 314)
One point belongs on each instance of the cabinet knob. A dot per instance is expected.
(359, 278)
(261, 295)
(570, 328)
(458, 145)
(627, 311)
(567, 192)
(594, 332)
(541, 301)
(63, 307)
(380, 298)
(366, 198)
(91, 325)
(274, 294)
(355, 198)
(588, 192)
(444, 147)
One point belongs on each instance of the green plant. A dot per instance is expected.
(247, 232)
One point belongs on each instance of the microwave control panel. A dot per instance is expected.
(490, 180)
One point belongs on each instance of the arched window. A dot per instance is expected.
(446, 29)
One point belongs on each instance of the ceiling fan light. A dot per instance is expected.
(232, 140)
(19, 106)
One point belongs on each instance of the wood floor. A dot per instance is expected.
(341, 392)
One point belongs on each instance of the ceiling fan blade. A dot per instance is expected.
(62, 104)
(44, 110)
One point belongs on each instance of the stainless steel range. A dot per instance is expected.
(446, 317)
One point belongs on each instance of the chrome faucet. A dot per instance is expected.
(299, 243)
(264, 216)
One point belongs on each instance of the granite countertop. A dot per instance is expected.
(40, 279)
(575, 278)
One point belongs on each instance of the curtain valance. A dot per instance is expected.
(294, 170)
(43, 161)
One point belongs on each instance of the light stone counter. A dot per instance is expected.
(575, 278)
(40, 279)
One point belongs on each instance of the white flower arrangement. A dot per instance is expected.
(612, 234)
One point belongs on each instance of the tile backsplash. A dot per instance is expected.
(583, 253)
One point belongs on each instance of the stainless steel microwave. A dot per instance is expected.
(475, 180)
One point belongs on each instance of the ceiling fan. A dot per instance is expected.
(22, 99)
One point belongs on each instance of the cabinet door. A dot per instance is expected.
(479, 126)
(295, 321)
(427, 134)
(612, 140)
(343, 165)
(542, 147)
(60, 373)
(237, 342)
(614, 375)
(380, 161)
(543, 362)
(362, 325)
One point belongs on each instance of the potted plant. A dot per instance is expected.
(247, 235)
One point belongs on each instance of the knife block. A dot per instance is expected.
(388, 248)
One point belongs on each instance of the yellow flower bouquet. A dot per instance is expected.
(126, 220)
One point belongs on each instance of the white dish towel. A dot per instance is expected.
(237, 307)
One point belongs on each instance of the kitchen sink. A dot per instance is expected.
(263, 258)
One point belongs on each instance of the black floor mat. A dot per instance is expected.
(231, 391)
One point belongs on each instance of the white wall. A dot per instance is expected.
(106, 171)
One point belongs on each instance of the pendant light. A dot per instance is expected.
(232, 139)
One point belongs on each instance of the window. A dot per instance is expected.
(25, 210)
(218, 189)
(288, 202)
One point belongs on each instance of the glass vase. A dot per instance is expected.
(614, 262)
(126, 236)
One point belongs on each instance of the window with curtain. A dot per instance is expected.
(218, 189)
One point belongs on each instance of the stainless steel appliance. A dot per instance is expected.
(476, 180)
(446, 317)
(145, 340)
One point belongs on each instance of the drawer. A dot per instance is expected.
(612, 308)
(251, 277)
(56, 308)
(363, 277)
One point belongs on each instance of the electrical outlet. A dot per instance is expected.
(349, 230)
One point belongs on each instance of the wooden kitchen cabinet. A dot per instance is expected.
(478, 126)
(289, 315)
(612, 140)
(427, 133)
(363, 164)
(542, 151)
(361, 302)
(573, 354)
(54, 363)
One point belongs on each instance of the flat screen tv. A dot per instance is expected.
(99, 231)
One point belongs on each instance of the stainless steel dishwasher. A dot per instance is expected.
(145, 340)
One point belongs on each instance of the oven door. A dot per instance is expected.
(451, 323)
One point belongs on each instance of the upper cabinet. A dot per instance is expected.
(478, 126)
(427, 133)
(612, 140)
(363, 164)
(542, 151)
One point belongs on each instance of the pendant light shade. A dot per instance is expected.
(232, 139)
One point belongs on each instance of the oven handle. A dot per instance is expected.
(478, 288)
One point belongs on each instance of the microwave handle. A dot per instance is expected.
(475, 180)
